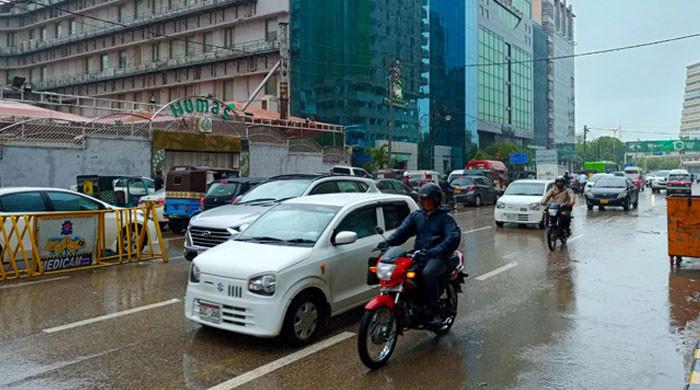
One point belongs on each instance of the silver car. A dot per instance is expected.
(216, 226)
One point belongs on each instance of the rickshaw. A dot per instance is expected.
(120, 191)
(185, 186)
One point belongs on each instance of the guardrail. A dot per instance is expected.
(36, 244)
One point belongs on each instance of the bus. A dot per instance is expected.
(600, 167)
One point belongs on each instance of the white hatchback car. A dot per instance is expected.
(300, 263)
(520, 203)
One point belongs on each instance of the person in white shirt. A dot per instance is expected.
(583, 179)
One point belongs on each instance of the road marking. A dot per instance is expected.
(34, 282)
(574, 238)
(174, 238)
(110, 316)
(497, 271)
(281, 362)
(478, 230)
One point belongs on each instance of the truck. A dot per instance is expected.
(550, 171)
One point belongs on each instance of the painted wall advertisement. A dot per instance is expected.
(67, 241)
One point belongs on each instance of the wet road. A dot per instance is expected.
(607, 312)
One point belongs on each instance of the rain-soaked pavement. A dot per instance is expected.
(607, 312)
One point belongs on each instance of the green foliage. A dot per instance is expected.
(651, 164)
(380, 158)
(602, 149)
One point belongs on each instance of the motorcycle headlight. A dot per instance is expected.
(500, 205)
(534, 206)
(263, 285)
(385, 270)
(552, 212)
(194, 273)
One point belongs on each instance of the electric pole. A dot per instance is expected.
(395, 96)
(284, 69)
(585, 135)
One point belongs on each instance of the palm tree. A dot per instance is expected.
(380, 156)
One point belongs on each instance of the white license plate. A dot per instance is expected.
(210, 312)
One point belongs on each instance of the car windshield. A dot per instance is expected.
(679, 177)
(290, 224)
(598, 176)
(662, 173)
(222, 189)
(633, 176)
(276, 190)
(462, 181)
(525, 189)
(610, 182)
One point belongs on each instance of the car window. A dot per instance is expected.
(222, 189)
(341, 171)
(137, 187)
(328, 187)
(352, 186)
(277, 189)
(22, 202)
(400, 187)
(487, 182)
(65, 201)
(394, 214)
(385, 186)
(362, 221)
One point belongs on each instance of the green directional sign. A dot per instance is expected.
(666, 146)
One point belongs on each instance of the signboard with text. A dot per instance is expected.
(66, 241)
(518, 159)
(665, 146)
(547, 156)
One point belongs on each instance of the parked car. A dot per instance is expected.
(473, 190)
(679, 183)
(520, 203)
(393, 186)
(21, 200)
(658, 182)
(120, 191)
(635, 174)
(591, 180)
(158, 199)
(227, 191)
(213, 227)
(303, 261)
(350, 171)
(613, 191)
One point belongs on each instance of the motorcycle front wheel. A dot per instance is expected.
(551, 239)
(377, 337)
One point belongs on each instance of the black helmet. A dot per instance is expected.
(431, 191)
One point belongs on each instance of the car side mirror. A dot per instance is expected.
(345, 237)
(379, 230)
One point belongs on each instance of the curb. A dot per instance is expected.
(694, 376)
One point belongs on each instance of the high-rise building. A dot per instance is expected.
(690, 121)
(557, 19)
(341, 56)
(142, 50)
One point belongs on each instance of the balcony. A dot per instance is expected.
(180, 8)
(242, 50)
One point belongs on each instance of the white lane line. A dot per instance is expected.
(497, 271)
(574, 238)
(281, 362)
(34, 282)
(478, 230)
(110, 316)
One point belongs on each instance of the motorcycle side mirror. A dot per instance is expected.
(379, 230)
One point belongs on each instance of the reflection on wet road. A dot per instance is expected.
(606, 312)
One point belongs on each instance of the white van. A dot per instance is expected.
(349, 171)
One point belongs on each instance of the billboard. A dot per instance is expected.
(66, 241)
(547, 156)
(665, 146)
(518, 159)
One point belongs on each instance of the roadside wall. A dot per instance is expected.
(58, 167)
(270, 160)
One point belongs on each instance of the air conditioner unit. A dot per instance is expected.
(271, 103)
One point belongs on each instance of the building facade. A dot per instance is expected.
(690, 121)
(143, 50)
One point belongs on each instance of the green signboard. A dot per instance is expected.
(666, 146)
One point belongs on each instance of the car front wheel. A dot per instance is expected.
(499, 224)
(303, 319)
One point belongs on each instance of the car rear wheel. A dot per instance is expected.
(499, 224)
(477, 201)
(589, 206)
(626, 204)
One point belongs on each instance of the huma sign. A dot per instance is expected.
(202, 105)
(66, 242)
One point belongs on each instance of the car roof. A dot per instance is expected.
(344, 199)
(242, 179)
(533, 181)
(11, 190)
(678, 172)
(297, 176)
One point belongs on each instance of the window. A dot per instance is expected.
(104, 62)
(229, 37)
(44, 73)
(362, 221)
(121, 13)
(352, 186)
(385, 186)
(394, 214)
(207, 41)
(400, 188)
(43, 35)
(22, 202)
(271, 86)
(11, 39)
(65, 201)
(340, 171)
(271, 30)
(72, 27)
(360, 172)
(155, 52)
(189, 45)
(86, 65)
(58, 30)
(329, 187)
(122, 59)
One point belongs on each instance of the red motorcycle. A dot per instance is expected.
(401, 305)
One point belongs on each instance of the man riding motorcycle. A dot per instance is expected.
(431, 221)
(562, 195)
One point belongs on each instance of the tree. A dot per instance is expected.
(602, 149)
(380, 158)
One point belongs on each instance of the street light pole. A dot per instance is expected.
(395, 94)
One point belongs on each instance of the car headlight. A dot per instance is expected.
(195, 273)
(385, 270)
(621, 195)
(534, 206)
(188, 237)
(500, 205)
(263, 285)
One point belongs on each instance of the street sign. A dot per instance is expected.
(518, 159)
(546, 156)
(665, 146)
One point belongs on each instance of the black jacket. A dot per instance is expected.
(439, 223)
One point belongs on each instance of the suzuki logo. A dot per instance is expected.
(220, 287)
(206, 234)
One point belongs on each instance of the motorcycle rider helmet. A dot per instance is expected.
(560, 179)
(431, 191)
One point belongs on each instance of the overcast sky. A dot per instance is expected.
(639, 89)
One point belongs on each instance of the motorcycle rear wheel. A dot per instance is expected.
(374, 335)
(448, 306)
(551, 240)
